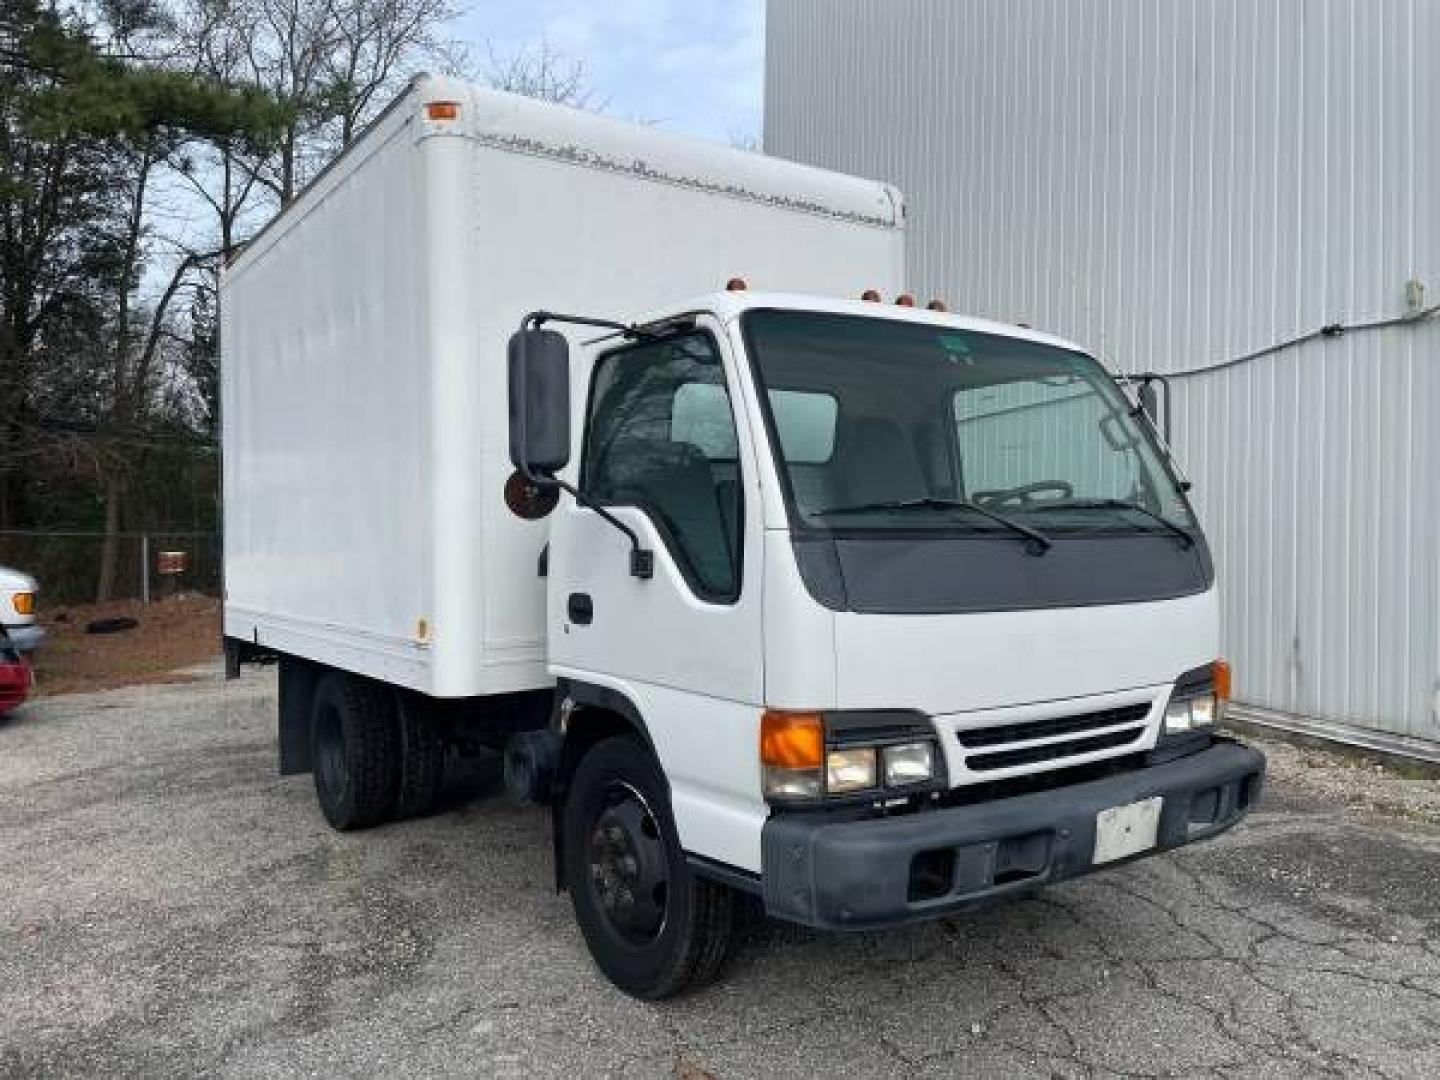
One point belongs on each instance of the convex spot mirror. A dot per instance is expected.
(539, 401)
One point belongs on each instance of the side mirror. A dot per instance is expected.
(539, 402)
(1150, 401)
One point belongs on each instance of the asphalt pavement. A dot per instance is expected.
(169, 906)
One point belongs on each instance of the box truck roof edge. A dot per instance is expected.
(520, 124)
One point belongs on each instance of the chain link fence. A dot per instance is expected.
(148, 565)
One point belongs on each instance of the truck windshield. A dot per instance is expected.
(890, 425)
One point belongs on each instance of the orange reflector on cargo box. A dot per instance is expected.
(442, 110)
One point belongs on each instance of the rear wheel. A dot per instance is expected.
(653, 927)
(422, 760)
(355, 751)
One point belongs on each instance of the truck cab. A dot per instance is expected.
(898, 611)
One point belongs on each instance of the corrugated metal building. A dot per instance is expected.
(1177, 183)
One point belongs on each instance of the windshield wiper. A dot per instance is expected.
(1037, 542)
(1121, 504)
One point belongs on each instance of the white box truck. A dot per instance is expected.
(599, 446)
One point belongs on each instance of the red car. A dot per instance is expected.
(14, 676)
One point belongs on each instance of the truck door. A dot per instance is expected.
(666, 450)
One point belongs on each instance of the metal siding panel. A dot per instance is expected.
(1174, 184)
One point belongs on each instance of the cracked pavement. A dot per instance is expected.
(170, 906)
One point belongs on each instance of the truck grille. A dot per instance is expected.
(1129, 720)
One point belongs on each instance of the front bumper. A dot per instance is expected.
(25, 638)
(859, 874)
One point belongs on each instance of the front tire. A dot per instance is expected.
(355, 751)
(653, 927)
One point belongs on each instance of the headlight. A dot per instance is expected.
(909, 763)
(1197, 703)
(1197, 713)
(1204, 711)
(808, 756)
(850, 770)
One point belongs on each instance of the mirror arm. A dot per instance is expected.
(642, 560)
(537, 319)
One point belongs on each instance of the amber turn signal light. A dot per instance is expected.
(1221, 672)
(792, 740)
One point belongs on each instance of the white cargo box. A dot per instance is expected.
(364, 344)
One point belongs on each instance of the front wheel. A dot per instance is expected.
(653, 927)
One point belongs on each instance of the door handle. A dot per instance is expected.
(580, 608)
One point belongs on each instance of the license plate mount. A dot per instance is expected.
(1122, 831)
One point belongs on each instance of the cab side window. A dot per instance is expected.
(661, 437)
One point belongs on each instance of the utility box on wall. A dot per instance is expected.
(1179, 185)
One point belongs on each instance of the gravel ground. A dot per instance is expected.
(172, 907)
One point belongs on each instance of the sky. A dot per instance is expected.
(693, 66)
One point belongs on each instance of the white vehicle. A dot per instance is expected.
(17, 610)
(866, 610)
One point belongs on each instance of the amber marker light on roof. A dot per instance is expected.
(736, 284)
(442, 110)
(936, 305)
(871, 295)
(905, 300)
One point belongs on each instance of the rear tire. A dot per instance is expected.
(355, 751)
(422, 760)
(653, 927)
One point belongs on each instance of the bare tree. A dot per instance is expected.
(287, 51)
(332, 63)
(542, 72)
(377, 44)
(224, 173)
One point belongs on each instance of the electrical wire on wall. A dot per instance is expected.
(1330, 330)
(1146, 379)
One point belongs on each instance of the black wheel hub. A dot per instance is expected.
(629, 873)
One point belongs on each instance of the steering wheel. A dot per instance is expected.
(1021, 497)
